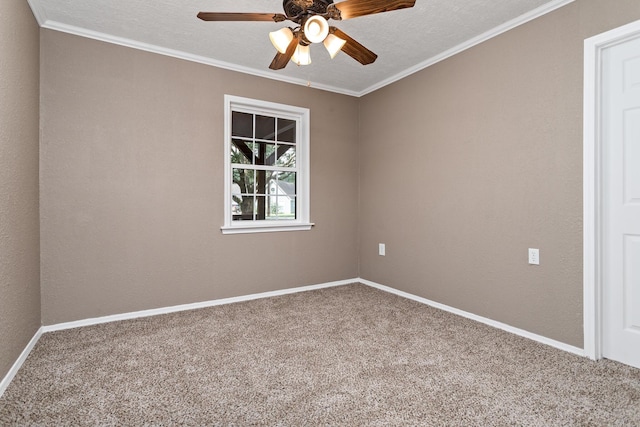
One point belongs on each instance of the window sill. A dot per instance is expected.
(263, 228)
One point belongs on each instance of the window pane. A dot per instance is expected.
(241, 152)
(264, 153)
(261, 207)
(286, 184)
(265, 127)
(236, 192)
(243, 181)
(287, 130)
(272, 184)
(292, 208)
(242, 124)
(272, 187)
(263, 179)
(242, 208)
(286, 156)
(281, 208)
(273, 207)
(236, 204)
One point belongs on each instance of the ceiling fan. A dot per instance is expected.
(311, 17)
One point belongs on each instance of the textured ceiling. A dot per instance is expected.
(405, 40)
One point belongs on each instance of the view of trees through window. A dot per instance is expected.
(263, 161)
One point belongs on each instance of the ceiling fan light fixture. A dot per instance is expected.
(280, 39)
(316, 29)
(302, 55)
(333, 44)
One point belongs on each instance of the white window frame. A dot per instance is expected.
(301, 116)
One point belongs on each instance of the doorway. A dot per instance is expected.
(612, 195)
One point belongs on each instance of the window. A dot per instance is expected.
(266, 167)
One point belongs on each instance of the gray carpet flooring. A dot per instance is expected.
(350, 355)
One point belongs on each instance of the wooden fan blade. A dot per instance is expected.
(354, 8)
(353, 48)
(226, 16)
(282, 59)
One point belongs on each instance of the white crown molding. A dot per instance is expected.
(38, 12)
(503, 326)
(44, 22)
(122, 41)
(18, 363)
(509, 25)
(193, 306)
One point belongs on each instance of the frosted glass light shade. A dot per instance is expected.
(302, 55)
(316, 29)
(280, 39)
(333, 44)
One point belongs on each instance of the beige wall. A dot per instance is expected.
(132, 184)
(463, 166)
(470, 162)
(19, 229)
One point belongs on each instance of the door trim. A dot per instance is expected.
(592, 182)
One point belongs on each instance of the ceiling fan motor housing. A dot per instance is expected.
(293, 42)
(311, 7)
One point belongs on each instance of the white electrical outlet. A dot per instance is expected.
(381, 249)
(534, 256)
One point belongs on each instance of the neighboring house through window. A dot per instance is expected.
(266, 166)
(282, 198)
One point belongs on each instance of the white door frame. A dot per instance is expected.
(592, 182)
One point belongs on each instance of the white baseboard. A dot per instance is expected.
(153, 312)
(521, 332)
(18, 363)
(193, 306)
(184, 307)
